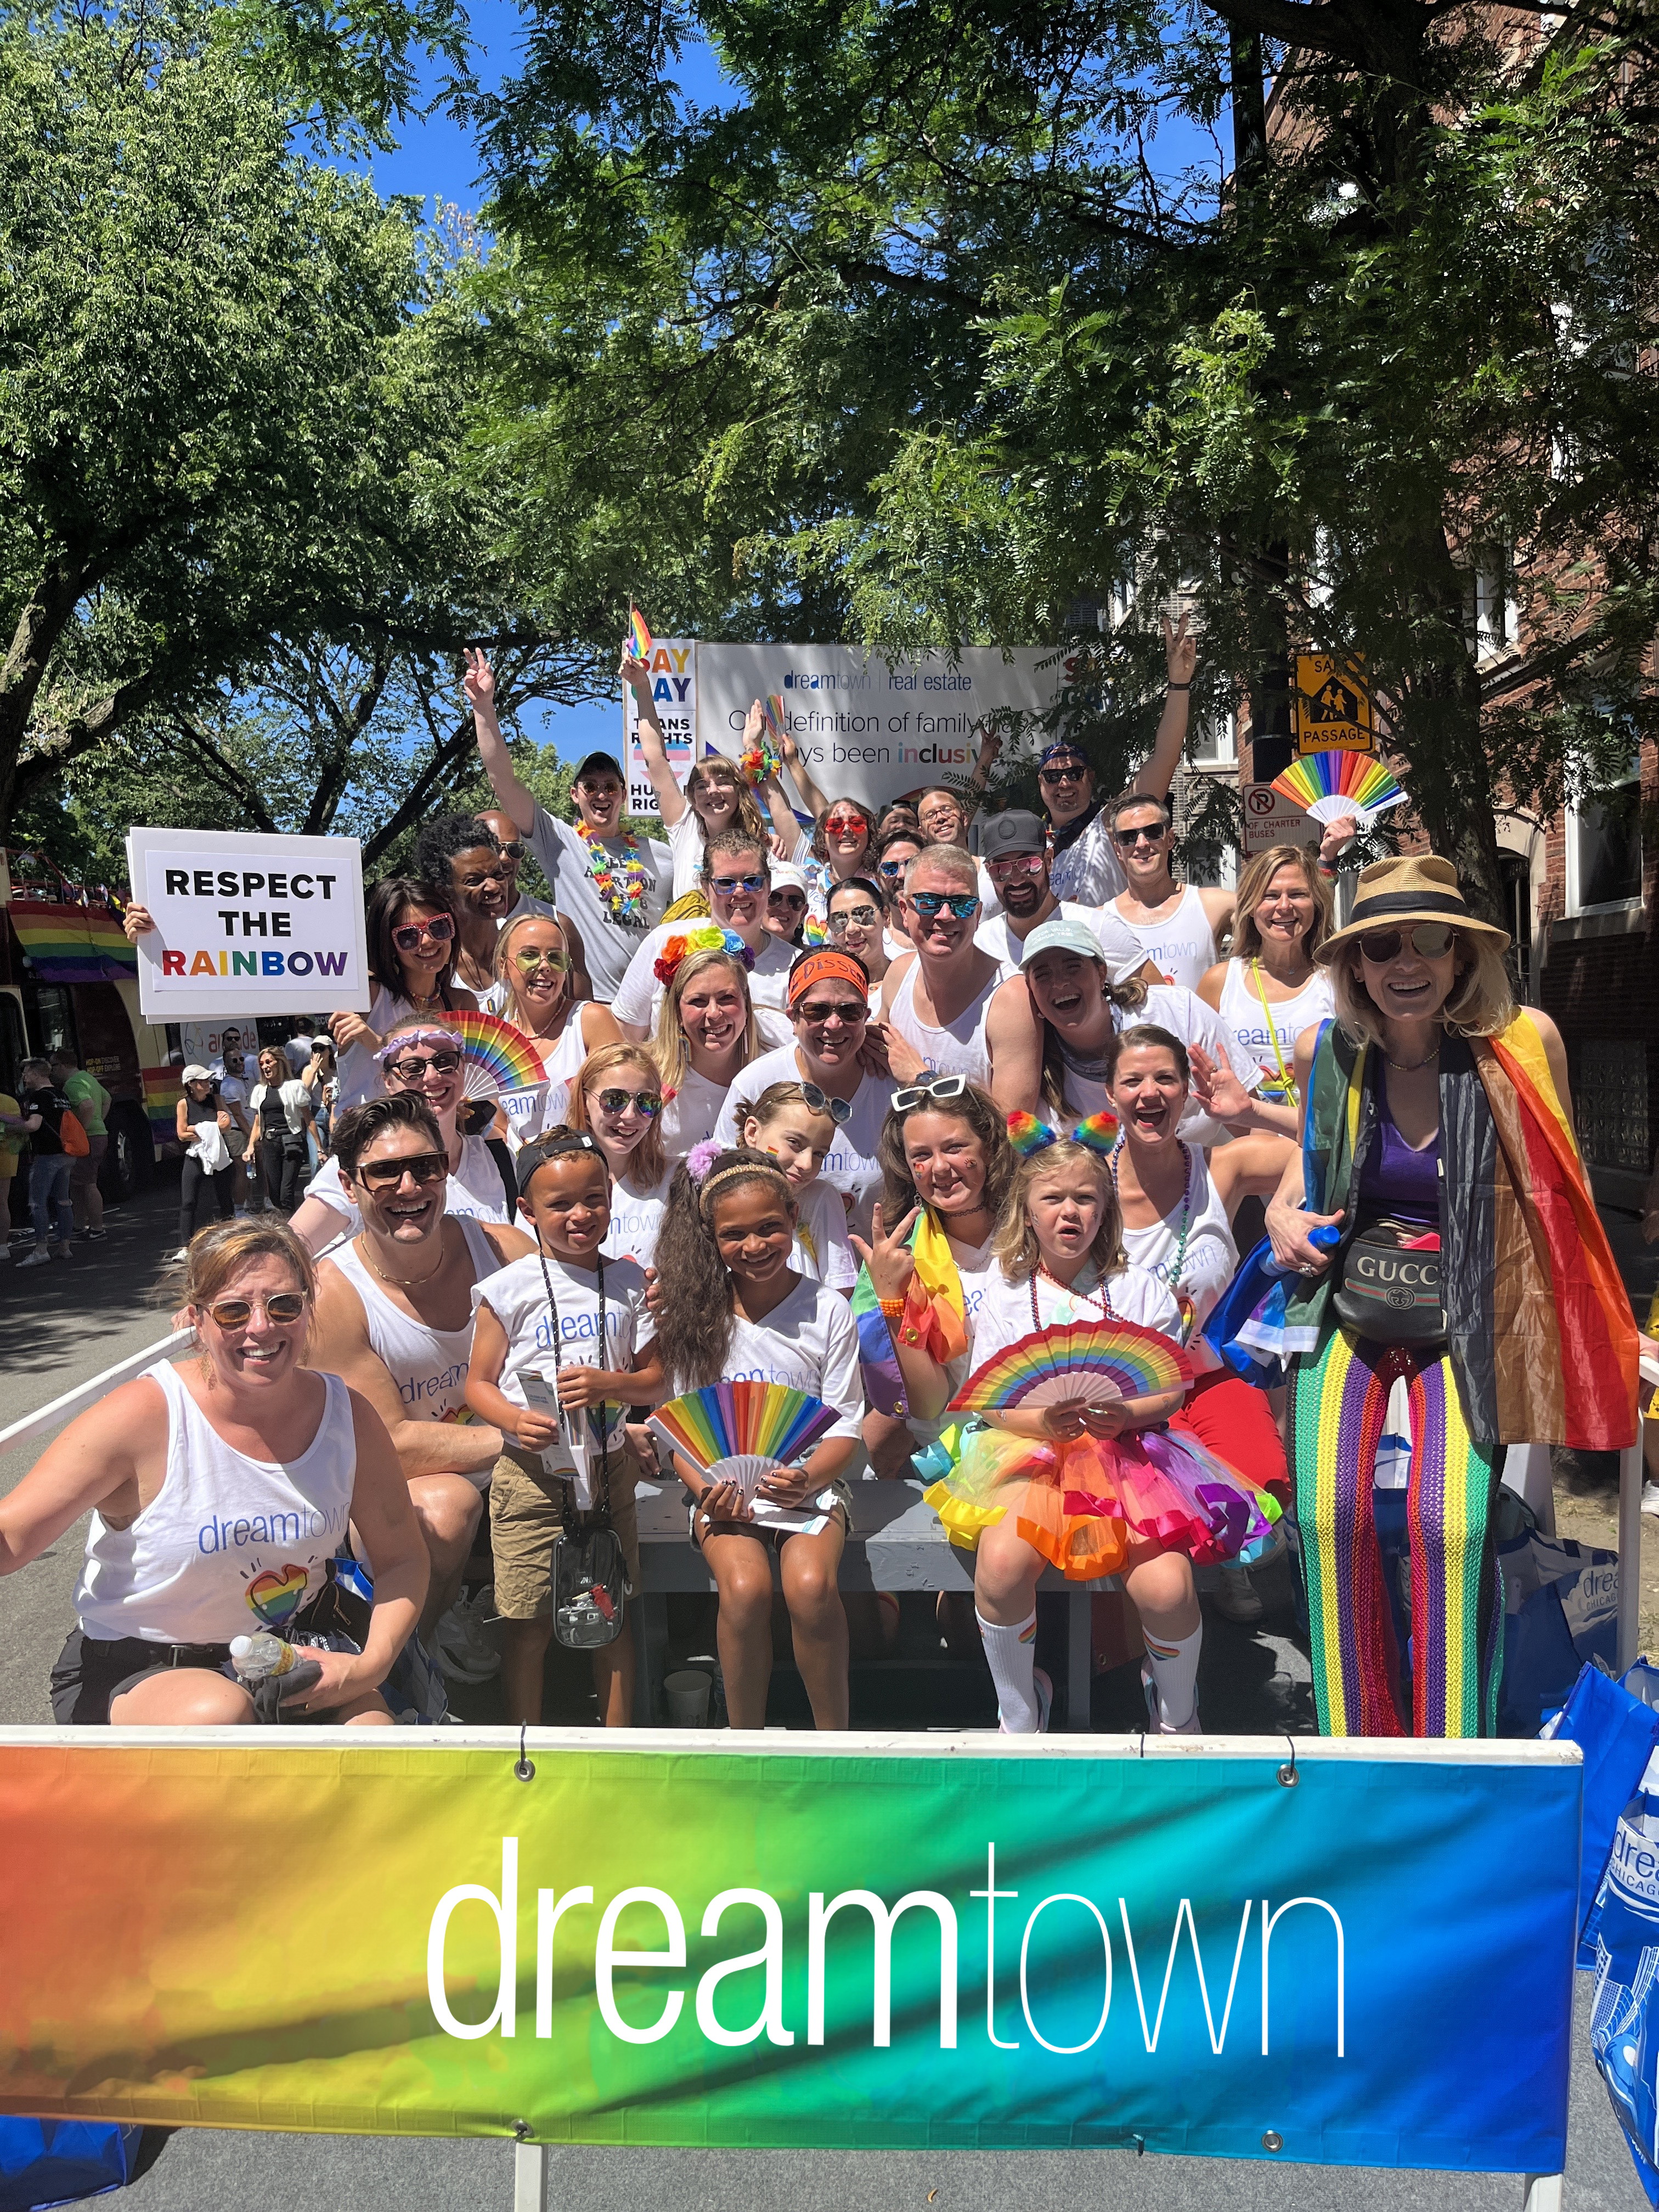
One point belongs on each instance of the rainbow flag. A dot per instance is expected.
(67, 944)
(640, 640)
(162, 1091)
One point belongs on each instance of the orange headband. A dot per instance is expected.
(815, 967)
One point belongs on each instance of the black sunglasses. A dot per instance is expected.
(1431, 940)
(386, 1174)
(1062, 775)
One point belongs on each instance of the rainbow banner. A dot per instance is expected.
(1342, 1959)
(72, 944)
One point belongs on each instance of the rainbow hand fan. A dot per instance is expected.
(741, 1432)
(496, 1056)
(1330, 784)
(638, 641)
(1094, 1361)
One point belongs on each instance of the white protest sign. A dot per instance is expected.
(248, 925)
(865, 731)
(673, 666)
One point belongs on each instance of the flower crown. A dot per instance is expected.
(1027, 1135)
(711, 937)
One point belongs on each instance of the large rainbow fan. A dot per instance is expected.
(497, 1056)
(1332, 783)
(1093, 1361)
(743, 1432)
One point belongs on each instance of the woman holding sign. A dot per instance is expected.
(414, 939)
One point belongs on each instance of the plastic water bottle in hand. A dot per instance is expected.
(258, 1658)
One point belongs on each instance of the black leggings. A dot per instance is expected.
(192, 1183)
(284, 1163)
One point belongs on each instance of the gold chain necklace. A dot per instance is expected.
(403, 1282)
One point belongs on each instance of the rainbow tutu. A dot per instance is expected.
(1087, 1504)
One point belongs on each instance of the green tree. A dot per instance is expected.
(919, 291)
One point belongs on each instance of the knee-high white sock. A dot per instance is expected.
(1175, 1672)
(1012, 1655)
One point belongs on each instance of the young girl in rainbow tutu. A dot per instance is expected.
(1094, 1488)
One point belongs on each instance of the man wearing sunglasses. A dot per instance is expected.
(736, 877)
(1014, 854)
(394, 1319)
(1086, 867)
(936, 1000)
(828, 1010)
(613, 883)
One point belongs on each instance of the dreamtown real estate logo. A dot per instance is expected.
(552, 1908)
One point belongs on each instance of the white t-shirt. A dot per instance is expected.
(609, 943)
(294, 1101)
(996, 937)
(691, 1114)
(1089, 870)
(532, 1112)
(809, 1341)
(822, 1250)
(635, 1219)
(1005, 1311)
(640, 994)
(359, 1072)
(685, 844)
(233, 1093)
(474, 1192)
(851, 1166)
(517, 1296)
(1181, 946)
(524, 904)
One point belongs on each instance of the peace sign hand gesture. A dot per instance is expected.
(477, 677)
(1182, 651)
(887, 1256)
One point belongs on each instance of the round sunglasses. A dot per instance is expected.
(283, 1307)
(1431, 940)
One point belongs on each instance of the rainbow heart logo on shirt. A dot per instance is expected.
(277, 1597)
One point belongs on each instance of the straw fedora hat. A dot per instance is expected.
(1417, 888)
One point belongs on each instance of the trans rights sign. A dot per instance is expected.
(248, 925)
(841, 1943)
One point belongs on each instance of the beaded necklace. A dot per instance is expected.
(1185, 1208)
(626, 899)
(1100, 1292)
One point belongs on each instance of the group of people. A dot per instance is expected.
(924, 1111)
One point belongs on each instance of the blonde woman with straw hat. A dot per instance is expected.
(1436, 1229)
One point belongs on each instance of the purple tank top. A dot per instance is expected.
(1395, 1179)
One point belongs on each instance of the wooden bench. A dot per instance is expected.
(897, 1543)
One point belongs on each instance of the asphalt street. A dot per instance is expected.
(60, 1325)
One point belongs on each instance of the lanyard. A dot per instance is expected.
(1287, 1081)
(558, 1362)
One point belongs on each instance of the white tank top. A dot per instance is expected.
(228, 1545)
(958, 1049)
(1286, 1018)
(1206, 1260)
(1181, 945)
(428, 1365)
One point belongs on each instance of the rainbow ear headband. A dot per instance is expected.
(420, 1036)
(1027, 1135)
(711, 937)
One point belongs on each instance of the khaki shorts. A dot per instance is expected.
(526, 1516)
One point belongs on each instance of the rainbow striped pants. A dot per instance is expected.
(1338, 1399)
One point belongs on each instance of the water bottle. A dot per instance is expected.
(260, 1658)
(1323, 1239)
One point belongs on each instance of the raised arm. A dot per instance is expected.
(990, 750)
(1158, 773)
(670, 800)
(811, 797)
(478, 682)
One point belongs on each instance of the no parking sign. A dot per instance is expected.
(1270, 818)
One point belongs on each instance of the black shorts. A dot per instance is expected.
(93, 1669)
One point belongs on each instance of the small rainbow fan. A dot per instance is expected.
(497, 1056)
(1094, 1361)
(638, 641)
(1329, 784)
(772, 714)
(741, 1432)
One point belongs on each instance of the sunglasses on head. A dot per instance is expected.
(932, 1089)
(528, 962)
(851, 1012)
(416, 1071)
(840, 1110)
(649, 1102)
(962, 904)
(796, 899)
(386, 1174)
(283, 1306)
(1152, 831)
(726, 885)
(1065, 774)
(852, 917)
(1429, 940)
(438, 931)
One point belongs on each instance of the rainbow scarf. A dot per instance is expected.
(933, 1303)
(1541, 1333)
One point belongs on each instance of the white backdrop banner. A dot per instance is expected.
(865, 730)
